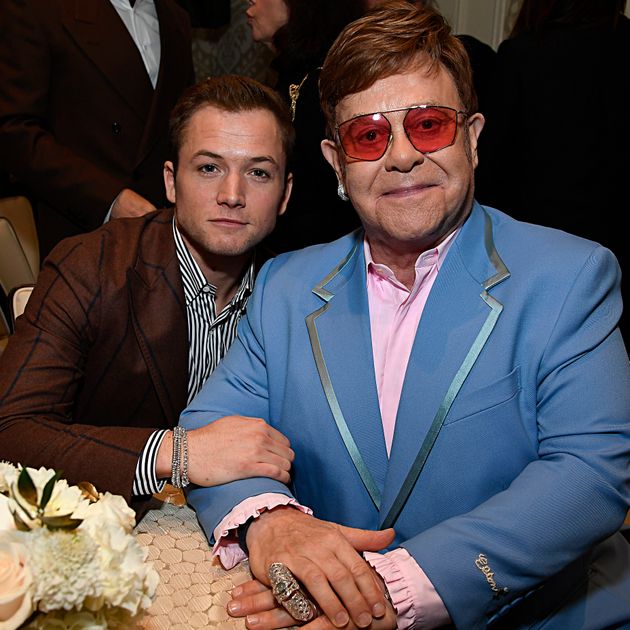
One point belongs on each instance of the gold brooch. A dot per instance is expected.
(294, 93)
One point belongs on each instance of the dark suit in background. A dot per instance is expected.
(561, 136)
(79, 118)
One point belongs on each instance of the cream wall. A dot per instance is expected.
(488, 20)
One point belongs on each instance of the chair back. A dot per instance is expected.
(15, 269)
(18, 211)
(18, 299)
(5, 332)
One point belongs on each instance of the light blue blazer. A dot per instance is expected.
(511, 455)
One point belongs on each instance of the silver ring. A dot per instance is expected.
(286, 589)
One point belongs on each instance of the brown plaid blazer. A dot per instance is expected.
(99, 359)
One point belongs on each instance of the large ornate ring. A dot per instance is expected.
(286, 589)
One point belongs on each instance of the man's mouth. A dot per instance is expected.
(407, 191)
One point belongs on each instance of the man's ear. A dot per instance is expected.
(169, 181)
(288, 187)
(475, 126)
(331, 153)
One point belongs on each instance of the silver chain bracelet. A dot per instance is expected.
(179, 466)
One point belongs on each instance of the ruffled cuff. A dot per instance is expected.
(417, 604)
(227, 547)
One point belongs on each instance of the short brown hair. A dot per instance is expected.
(388, 41)
(231, 93)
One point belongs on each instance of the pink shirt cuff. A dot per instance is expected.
(227, 547)
(417, 604)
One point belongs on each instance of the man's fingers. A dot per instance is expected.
(250, 604)
(280, 456)
(270, 619)
(366, 581)
(278, 437)
(271, 471)
(330, 583)
(251, 587)
(368, 540)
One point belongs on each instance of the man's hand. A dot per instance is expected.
(323, 557)
(130, 204)
(234, 447)
(256, 602)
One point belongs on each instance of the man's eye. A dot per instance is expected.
(261, 173)
(208, 168)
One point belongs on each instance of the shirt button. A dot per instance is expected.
(206, 289)
(116, 128)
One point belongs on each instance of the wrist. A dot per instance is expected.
(267, 520)
(164, 458)
(179, 463)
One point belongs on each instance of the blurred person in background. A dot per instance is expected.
(86, 91)
(300, 33)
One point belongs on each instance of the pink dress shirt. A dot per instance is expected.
(395, 312)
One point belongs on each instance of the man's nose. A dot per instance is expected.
(231, 191)
(401, 155)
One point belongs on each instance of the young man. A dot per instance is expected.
(126, 322)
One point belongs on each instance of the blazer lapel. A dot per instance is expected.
(158, 312)
(99, 32)
(457, 320)
(340, 339)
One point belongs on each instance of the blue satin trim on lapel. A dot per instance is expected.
(331, 397)
(496, 307)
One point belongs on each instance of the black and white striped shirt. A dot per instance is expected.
(209, 336)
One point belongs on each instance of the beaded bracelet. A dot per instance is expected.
(179, 466)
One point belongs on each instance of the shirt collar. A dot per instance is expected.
(195, 282)
(434, 256)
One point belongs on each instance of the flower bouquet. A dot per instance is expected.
(68, 558)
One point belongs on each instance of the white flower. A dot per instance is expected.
(89, 578)
(64, 500)
(6, 518)
(8, 475)
(109, 509)
(16, 603)
(65, 568)
(128, 580)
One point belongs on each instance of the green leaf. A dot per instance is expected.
(27, 488)
(61, 522)
(19, 523)
(48, 489)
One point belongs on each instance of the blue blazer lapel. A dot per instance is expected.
(339, 333)
(457, 320)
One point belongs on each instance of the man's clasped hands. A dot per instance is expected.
(325, 559)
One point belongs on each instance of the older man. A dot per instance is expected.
(448, 372)
(126, 323)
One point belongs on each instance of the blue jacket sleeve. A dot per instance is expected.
(238, 386)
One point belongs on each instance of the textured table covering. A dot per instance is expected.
(194, 588)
